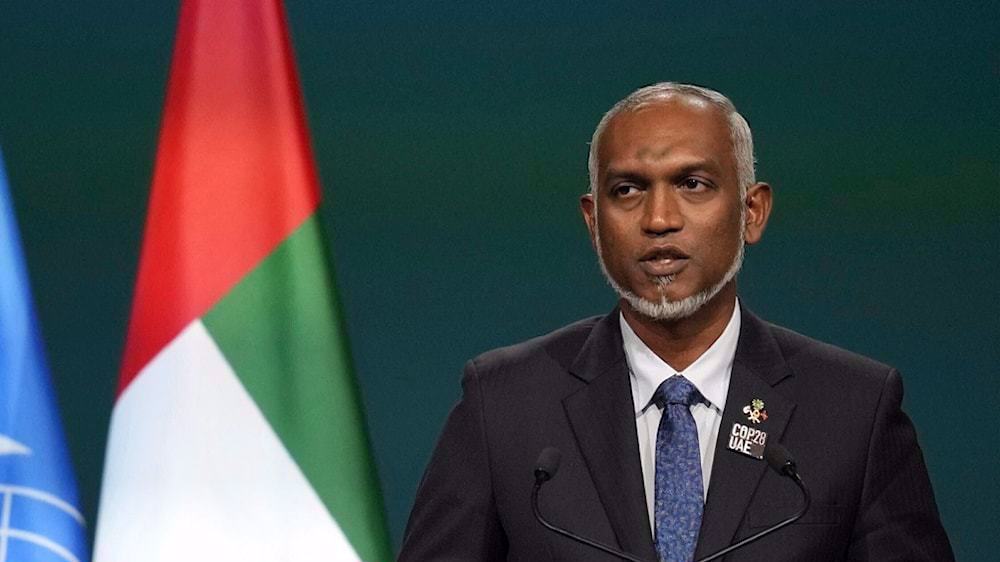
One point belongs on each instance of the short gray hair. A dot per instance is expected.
(664, 91)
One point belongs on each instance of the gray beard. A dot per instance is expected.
(668, 310)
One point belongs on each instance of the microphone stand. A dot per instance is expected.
(778, 458)
(798, 515)
(602, 547)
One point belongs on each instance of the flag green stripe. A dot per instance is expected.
(281, 330)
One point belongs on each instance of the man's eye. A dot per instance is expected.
(625, 190)
(692, 184)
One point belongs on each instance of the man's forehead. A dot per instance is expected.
(654, 130)
(674, 115)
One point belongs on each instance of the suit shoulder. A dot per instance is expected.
(561, 346)
(802, 352)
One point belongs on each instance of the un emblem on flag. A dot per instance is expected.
(35, 524)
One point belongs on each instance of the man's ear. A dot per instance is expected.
(589, 210)
(758, 207)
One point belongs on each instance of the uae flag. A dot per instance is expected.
(238, 431)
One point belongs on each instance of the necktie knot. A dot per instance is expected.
(677, 390)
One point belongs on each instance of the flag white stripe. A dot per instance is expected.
(195, 472)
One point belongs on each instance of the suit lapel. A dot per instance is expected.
(758, 366)
(603, 421)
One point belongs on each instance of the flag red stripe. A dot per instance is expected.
(234, 173)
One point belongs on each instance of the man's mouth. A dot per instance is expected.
(663, 261)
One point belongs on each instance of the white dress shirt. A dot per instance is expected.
(710, 374)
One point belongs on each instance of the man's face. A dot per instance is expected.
(666, 217)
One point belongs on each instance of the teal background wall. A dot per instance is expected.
(451, 143)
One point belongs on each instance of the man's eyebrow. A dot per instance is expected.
(615, 173)
(686, 168)
(705, 165)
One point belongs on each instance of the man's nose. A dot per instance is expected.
(661, 214)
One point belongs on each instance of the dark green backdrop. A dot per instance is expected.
(451, 143)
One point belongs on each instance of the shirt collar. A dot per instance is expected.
(710, 373)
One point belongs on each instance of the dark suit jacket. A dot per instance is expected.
(837, 413)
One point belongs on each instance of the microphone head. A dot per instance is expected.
(547, 464)
(778, 458)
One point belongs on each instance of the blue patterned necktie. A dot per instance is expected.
(679, 490)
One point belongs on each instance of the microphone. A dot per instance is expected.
(545, 468)
(779, 459)
(776, 455)
(547, 465)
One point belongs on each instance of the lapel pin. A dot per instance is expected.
(755, 411)
(748, 440)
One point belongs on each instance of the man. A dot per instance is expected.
(662, 409)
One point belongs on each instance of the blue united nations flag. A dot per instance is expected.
(39, 518)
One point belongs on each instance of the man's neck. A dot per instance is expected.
(680, 342)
